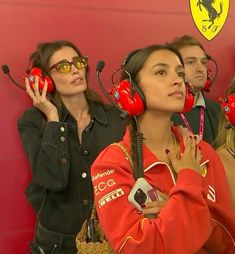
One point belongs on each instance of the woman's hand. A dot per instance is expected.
(185, 133)
(191, 156)
(154, 207)
(40, 100)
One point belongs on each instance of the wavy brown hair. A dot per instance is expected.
(186, 41)
(41, 57)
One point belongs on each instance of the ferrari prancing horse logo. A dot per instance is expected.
(209, 16)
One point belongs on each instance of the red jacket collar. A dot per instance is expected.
(149, 157)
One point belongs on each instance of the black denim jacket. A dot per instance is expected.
(61, 165)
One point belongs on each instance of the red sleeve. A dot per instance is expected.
(215, 165)
(221, 208)
(183, 226)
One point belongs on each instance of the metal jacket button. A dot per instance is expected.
(85, 202)
(85, 152)
(84, 175)
(64, 161)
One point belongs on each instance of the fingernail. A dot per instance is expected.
(167, 151)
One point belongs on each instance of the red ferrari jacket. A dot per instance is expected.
(198, 217)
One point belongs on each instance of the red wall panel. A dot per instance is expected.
(103, 30)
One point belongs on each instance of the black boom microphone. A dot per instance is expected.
(99, 68)
(6, 71)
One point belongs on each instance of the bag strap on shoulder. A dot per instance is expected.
(123, 148)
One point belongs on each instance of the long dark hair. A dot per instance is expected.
(132, 65)
(41, 57)
(136, 59)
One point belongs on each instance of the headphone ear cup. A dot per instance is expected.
(208, 82)
(134, 103)
(38, 72)
(189, 97)
(50, 84)
(228, 106)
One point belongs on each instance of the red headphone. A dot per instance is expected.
(127, 99)
(228, 106)
(189, 98)
(42, 78)
(210, 81)
(135, 104)
(130, 98)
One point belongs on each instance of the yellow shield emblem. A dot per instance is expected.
(209, 16)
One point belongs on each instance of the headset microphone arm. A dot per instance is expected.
(99, 69)
(103, 89)
(6, 71)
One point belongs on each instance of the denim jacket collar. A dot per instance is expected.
(96, 110)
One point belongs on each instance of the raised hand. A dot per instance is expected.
(155, 207)
(191, 156)
(40, 99)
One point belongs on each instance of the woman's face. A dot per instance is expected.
(73, 82)
(161, 80)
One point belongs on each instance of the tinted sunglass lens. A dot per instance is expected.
(80, 63)
(64, 67)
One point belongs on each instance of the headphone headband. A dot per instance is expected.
(129, 56)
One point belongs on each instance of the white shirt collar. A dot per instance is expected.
(200, 100)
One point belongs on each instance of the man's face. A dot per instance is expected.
(195, 62)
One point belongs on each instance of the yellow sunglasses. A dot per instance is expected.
(65, 66)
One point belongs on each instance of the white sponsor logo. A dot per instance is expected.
(110, 196)
(100, 175)
(103, 185)
(211, 194)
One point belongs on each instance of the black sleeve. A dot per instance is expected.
(46, 146)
